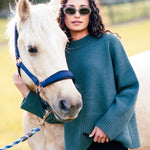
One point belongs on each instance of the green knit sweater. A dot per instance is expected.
(109, 88)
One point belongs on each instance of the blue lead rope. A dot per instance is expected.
(29, 134)
(23, 138)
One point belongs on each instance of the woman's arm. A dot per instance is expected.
(121, 111)
(31, 101)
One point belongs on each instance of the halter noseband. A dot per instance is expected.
(60, 75)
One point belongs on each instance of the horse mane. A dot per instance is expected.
(10, 30)
(45, 13)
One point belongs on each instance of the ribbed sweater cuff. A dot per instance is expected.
(112, 125)
(33, 105)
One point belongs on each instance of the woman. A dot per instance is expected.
(104, 77)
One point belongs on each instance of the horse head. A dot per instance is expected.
(41, 44)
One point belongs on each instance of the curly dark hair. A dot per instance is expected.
(96, 27)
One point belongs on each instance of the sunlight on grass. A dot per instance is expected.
(134, 36)
(10, 98)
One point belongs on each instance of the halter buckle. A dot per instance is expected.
(18, 60)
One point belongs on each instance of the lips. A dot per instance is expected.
(76, 22)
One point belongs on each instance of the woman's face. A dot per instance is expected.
(77, 23)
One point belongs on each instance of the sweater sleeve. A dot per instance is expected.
(32, 104)
(120, 112)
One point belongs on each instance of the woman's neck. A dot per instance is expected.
(78, 35)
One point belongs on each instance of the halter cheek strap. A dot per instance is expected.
(60, 75)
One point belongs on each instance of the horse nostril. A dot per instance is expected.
(63, 105)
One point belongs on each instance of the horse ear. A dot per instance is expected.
(23, 9)
(55, 6)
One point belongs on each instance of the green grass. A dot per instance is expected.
(135, 37)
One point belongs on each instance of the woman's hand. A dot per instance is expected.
(100, 136)
(24, 90)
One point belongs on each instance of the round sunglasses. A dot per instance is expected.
(72, 11)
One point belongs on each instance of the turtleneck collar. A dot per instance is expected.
(79, 43)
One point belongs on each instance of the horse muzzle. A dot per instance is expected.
(67, 111)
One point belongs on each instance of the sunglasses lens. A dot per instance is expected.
(70, 11)
(85, 11)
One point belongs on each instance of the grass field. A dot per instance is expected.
(135, 37)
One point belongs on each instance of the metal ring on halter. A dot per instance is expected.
(39, 89)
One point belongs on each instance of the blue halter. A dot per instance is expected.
(60, 75)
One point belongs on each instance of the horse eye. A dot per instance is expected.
(32, 49)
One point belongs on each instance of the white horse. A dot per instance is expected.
(141, 65)
(41, 45)
(38, 28)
